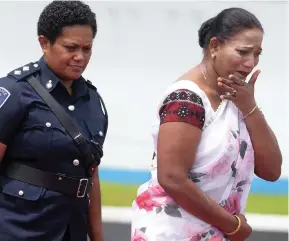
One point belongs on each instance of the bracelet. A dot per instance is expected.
(238, 227)
(250, 112)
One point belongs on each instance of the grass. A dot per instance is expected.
(267, 204)
(117, 194)
(122, 196)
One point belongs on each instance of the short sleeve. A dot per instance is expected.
(11, 111)
(183, 105)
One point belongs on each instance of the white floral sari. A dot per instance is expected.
(223, 169)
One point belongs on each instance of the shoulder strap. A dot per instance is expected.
(66, 121)
(25, 71)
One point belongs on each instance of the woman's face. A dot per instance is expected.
(239, 55)
(69, 55)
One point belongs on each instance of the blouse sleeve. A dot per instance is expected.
(183, 105)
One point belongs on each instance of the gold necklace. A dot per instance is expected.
(208, 81)
(207, 123)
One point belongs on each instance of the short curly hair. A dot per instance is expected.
(60, 14)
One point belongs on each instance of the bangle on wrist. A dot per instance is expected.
(237, 229)
(255, 107)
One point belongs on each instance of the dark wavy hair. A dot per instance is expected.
(60, 14)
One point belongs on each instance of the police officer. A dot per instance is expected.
(48, 189)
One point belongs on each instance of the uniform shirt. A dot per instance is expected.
(31, 131)
(35, 137)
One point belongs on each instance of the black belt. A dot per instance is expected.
(75, 187)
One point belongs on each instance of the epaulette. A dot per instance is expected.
(25, 71)
(90, 85)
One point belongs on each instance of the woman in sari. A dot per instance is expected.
(210, 138)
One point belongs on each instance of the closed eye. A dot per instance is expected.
(87, 49)
(70, 48)
(242, 52)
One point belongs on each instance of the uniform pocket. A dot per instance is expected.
(41, 130)
(20, 189)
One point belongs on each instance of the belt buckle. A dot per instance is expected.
(81, 193)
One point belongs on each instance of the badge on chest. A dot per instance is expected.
(4, 95)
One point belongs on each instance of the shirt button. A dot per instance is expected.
(48, 124)
(71, 107)
(75, 162)
(100, 133)
(21, 193)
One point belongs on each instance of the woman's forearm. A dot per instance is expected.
(187, 195)
(268, 158)
(95, 222)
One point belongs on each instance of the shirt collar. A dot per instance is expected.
(50, 81)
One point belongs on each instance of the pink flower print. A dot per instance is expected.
(249, 157)
(164, 200)
(239, 141)
(215, 238)
(196, 238)
(233, 203)
(157, 191)
(169, 200)
(144, 201)
(223, 165)
(243, 175)
(217, 232)
(193, 230)
(139, 236)
(246, 169)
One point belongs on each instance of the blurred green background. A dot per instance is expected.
(122, 195)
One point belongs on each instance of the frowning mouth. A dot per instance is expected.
(77, 68)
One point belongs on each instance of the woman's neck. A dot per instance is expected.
(210, 76)
(67, 85)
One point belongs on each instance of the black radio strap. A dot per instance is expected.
(66, 121)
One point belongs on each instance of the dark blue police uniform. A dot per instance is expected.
(35, 138)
